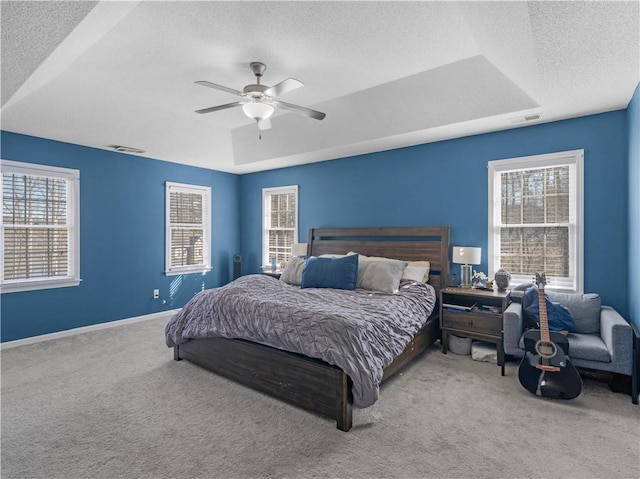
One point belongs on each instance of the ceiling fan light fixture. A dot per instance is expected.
(256, 110)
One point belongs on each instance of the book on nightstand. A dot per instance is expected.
(458, 307)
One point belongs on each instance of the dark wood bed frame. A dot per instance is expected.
(310, 383)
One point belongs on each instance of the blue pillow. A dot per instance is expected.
(338, 273)
(558, 316)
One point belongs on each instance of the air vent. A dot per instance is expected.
(524, 119)
(125, 149)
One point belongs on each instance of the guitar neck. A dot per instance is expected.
(544, 322)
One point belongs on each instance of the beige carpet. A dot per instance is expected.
(114, 404)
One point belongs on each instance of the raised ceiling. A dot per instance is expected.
(387, 74)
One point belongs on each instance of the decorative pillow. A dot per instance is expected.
(292, 273)
(417, 271)
(585, 309)
(558, 316)
(338, 273)
(380, 274)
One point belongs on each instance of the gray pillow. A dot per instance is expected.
(292, 273)
(380, 274)
(585, 309)
(517, 293)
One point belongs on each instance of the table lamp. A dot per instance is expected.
(299, 249)
(466, 256)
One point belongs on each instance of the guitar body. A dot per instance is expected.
(562, 383)
(545, 369)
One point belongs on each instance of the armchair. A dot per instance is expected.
(602, 340)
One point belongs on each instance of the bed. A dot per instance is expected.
(311, 382)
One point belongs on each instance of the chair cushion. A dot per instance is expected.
(585, 309)
(588, 347)
(517, 292)
(584, 346)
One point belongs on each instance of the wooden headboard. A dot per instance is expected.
(410, 243)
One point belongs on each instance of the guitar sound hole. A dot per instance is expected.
(546, 350)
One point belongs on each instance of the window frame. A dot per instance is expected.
(72, 178)
(575, 160)
(267, 193)
(205, 191)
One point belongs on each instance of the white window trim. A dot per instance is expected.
(576, 248)
(73, 204)
(265, 231)
(185, 188)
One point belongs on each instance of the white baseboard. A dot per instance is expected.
(85, 329)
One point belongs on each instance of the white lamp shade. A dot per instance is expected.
(299, 249)
(466, 255)
(258, 110)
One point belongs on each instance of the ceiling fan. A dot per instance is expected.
(258, 101)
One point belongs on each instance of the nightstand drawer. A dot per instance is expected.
(482, 323)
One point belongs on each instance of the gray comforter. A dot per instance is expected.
(359, 331)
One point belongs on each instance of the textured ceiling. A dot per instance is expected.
(387, 74)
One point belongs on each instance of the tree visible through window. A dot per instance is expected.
(40, 240)
(536, 220)
(188, 228)
(280, 223)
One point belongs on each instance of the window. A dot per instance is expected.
(40, 227)
(535, 218)
(188, 236)
(280, 223)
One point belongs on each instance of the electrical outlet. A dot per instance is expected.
(156, 293)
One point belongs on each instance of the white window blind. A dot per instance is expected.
(188, 223)
(535, 218)
(280, 223)
(40, 227)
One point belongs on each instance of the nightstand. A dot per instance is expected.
(274, 274)
(473, 313)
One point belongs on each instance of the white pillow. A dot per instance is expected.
(417, 271)
(292, 273)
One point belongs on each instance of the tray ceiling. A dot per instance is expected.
(387, 74)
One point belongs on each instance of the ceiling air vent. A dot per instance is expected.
(524, 119)
(125, 149)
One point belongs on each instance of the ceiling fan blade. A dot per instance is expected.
(264, 124)
(219, 87)
(316, 115)
(221, 107)
(283, 87)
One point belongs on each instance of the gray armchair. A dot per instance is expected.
(602, 339)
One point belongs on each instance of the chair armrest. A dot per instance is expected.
(617, 335)
(512, 327)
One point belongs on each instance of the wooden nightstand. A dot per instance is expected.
(483, 319)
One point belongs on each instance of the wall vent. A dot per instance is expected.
(125, 149)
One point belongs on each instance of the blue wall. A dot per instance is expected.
(122, 238)
(446, 183)
(633, 121)
(122, 213)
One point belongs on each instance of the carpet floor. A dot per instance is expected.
(113, 404)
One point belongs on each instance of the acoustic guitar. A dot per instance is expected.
(545, 369)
